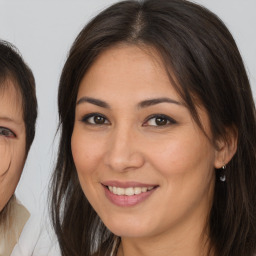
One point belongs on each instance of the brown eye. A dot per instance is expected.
(6, 132)
(95, 119)
(161, 121)
(99, 120)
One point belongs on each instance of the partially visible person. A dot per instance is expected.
(18, 113)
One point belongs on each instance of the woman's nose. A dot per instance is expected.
(124, 151)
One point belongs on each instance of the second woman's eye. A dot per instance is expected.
(159, 120)
(6, 132)
(95, 119)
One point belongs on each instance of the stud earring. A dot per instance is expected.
(222, 173)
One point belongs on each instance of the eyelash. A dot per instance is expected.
(104, 121)
(7, 132)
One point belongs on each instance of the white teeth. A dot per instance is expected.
(120, 191)
(139, 190)
(129, 191)
(144, 189)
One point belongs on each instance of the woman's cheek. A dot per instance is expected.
(85, 151)
(5, 154)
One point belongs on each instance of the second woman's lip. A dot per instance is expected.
(127, 184)
(127, 194)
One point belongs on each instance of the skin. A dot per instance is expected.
(12, 141)
(130, 145)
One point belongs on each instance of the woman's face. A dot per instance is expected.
(143, 163)
(12, 141)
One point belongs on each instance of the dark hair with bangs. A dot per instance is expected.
(13, 67)
(201, 55)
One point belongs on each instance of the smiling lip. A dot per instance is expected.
(126, 194)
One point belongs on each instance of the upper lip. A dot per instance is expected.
(127, 184)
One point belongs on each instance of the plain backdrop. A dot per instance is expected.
(43, 31)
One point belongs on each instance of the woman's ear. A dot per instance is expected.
(226, 147)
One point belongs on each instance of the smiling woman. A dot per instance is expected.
(148, 146)
(158, 133)
(18, 111)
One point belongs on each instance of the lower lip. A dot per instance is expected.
(126, 201)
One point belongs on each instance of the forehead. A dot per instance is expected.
(130, 68)
(123, 54)
(10, 101)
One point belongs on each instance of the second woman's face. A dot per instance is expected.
(143, 163)
(12, 141)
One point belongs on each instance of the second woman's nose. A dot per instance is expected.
(124, 151)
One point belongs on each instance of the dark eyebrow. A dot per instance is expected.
(151, 102)
(93, 101)
(143, 104)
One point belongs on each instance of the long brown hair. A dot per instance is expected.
(203, 62)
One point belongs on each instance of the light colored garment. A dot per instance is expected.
(10, 235)
(37, 239)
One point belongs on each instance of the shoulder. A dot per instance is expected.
(20, 216)
(37, 239)
(17, 218)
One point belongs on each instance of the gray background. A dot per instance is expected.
(44, 31)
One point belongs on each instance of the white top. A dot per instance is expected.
(37, 239)
(17, 216)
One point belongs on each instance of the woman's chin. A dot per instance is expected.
(128, 229)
